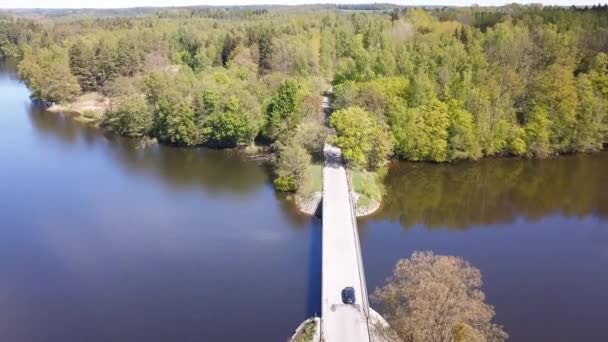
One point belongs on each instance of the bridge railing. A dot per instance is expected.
(353, 217)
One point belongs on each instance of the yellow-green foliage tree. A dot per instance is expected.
(556, 89)
(422, 132)
(365, 142)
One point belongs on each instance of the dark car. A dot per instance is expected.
(348, 295)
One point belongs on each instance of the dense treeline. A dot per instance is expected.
(467, 83)
(217, 78)
(436, 85)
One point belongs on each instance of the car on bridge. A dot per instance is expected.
(348, 295)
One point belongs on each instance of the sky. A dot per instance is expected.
(162, 3)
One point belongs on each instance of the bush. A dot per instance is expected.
(368, 184)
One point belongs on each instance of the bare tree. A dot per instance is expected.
(437, 298)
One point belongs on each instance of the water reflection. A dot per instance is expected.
(496, 191)
(180, 168)
(103, 241)
(8, 69)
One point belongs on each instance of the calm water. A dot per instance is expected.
(538, 230)
(101, 241)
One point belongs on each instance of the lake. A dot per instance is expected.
(103, 241)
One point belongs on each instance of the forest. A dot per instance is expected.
(436, 84)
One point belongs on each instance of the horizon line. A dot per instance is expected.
(262, 4)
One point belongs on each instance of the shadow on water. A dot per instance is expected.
(313, 307)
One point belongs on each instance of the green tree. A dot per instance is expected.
(191, 52)
(422, 90)
(364, 141)
(105, 63)
(82, 66)
(174, 121)
(599, 74)
(154, 85)
(129, 58)
(463, 142)
(262, 36)
(291, 168)
(537, 132)
(590, 128)
(422, 132)
(207, 103)
(312, 136)
(227, 129)
(47, 73)
(327, 52)
(131, 118)
(230, 44)
(556, 89)
(282, 112)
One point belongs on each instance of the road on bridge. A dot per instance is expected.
(341, 258)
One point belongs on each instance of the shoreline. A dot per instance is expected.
(381, 330)
(362, 211)
(87, 108)
(300, 330)
(312, 206)
(90, 108)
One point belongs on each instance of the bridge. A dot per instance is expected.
(342, 265)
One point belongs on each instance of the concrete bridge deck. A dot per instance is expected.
(341, 258)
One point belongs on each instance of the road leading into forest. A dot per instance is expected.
(341, 253)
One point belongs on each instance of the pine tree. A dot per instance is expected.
(82, 66)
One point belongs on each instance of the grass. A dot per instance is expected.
(316, 177)
(307, 333)
(364, 201)
(366, 184)
(313, 182)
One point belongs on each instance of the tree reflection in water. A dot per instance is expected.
(498, 190)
